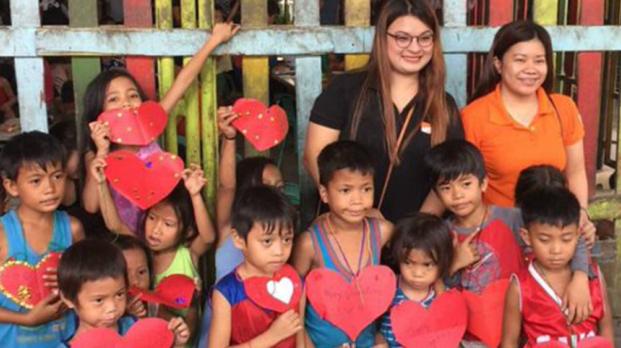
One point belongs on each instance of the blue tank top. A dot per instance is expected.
(73, 322)
(322, 333)
(46, 335)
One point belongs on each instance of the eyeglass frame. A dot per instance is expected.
(412, 37)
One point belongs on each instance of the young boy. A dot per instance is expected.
(346, 186)
(262, 228)
(33, 171)
(488, 245)
(534, 299)
(92, 278)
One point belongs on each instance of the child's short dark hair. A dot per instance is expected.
(453, 158)
(263, 205)
(536, 177)
(89, 260)
(249, 172)
(555, 206)
(31, 148)
(425, 232)
(66, 134)
(125, 242)
(343, 154)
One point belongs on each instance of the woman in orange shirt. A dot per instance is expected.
(517, 122)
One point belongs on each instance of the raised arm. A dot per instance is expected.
(194, 180)
(108, 209)
(227, 168)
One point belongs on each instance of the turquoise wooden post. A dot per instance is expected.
(456, 64)
(29, 70)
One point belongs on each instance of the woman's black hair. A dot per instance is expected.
(425, 232)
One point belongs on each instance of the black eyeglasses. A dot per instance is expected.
(404, 40)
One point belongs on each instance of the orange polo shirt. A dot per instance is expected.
(509, 147)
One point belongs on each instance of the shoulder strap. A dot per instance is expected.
(13, 232)
(61, 235)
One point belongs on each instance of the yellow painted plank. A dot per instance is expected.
(255, 69)
(166, 73)
(191, 112)
(545, 12)
(357, 14)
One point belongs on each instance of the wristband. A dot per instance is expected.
(227, 138)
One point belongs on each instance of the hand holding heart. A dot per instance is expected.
(48, 309)
(285, 326)
(226, 115)
(100, 133)
(194, 179)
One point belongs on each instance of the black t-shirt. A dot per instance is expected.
(409, 184)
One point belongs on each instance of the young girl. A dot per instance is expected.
(422, 251)
(177, 230)
(139, 266)
(114, 89)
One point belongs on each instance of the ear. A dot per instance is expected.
(484, 183)
(525, 236)
(10, 186)
(238, 241)
(323, 194)
(67, 303)
(497, 65)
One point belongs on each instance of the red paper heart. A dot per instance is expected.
(263, 128)
(279, 293)
(485, 312)
(145, 333)
(140, 126)
(144, 183)
(23, 283)
(594, 342)
(174, 291)
(343, 305)
(442, 325)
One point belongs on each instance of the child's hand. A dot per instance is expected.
(587, 228)
(286, 325)
(223, 32)
(136, 307)
(45, 311)
(194, 179)
(466, 252)
(51, 278)
(100, 133)
(97, 169)
(181, 331)
(225, 117)
(577, 299)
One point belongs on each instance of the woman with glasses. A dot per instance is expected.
(396, 106)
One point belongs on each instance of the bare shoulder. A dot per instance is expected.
(304, 244)
(386, 230)
(77, 230)
(4, 244)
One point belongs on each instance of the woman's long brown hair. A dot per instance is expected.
(431, 78)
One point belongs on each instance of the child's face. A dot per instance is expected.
(463, 195)
(266, 253)
(121, 93)
(137, 268)
(161, 227)
(272, 177)
(419, 271)
(553, 246)
(349, 195)
(39, 189)
(100, 303)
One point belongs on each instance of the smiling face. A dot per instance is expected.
(523, 68)
(121, 93)
(410, 59)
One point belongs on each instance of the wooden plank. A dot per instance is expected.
(166, 73)
(545, 12)
(357, 14)
(308, 86)
(456, 64)
(82, 13)
(137, 13)
(191, 112)
(501, 12)
(209, 104)
(29, 71)
(255, 69)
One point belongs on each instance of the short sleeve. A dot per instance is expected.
(569, 116)
(331, 108)
(455, 128)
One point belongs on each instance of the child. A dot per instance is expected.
(262, 227)
(422, 250)
(33, 165)
(92, 278)
(139, 264)
(65, 132)
(346, 186)
(534, 299)
(177, 230)
(115, 89)
(489, 247)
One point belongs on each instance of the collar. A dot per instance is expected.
(544, 285)
(499, 114)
